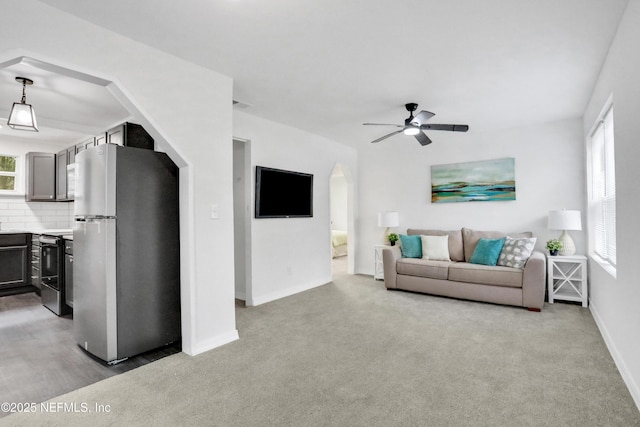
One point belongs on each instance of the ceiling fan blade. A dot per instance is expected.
(423, 139)
(382, 124)
(452, 128)
(422, 117)
(386, 136)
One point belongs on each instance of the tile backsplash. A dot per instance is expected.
(16, 214)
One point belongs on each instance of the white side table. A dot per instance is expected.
(378, 271)
(567, 278)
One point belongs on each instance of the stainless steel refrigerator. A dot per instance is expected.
(126, 252)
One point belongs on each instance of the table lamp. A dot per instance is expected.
(388, 220)
(565, 220)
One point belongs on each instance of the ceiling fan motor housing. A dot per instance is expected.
(411, 107)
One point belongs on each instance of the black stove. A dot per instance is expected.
(52, 289)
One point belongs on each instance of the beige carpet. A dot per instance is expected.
(351, 353)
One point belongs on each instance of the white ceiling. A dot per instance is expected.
(68, 107)
(328, 66)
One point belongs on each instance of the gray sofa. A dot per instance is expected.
(460, 279)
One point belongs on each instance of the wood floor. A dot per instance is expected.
(40, 360)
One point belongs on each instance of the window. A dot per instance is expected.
(602, 203)
(7, 173)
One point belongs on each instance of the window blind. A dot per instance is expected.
(603, 190)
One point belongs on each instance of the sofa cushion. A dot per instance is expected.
(486, 275)
(411, 246)
(472, 237)
(456, 250)
(423, 268)
(435, 248)
(487, 251)
(516, 252)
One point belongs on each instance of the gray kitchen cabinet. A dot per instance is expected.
(61, 175)
(47, 177)
(85, 144)
(63, 159)
(14, 259)
(101, 139)
(40, 176)
(130, 135)
(71, 155)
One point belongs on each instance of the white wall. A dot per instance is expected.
(290, 255)
(192, 114)
(395, 175)
(615, 301)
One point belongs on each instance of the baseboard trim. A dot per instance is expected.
(214, 342)
(262, 299)
(615, 354)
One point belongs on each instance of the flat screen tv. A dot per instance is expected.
(283, 194)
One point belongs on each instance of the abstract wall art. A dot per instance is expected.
(481, 181)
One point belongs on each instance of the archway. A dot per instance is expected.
(186, 207)
(342, 220)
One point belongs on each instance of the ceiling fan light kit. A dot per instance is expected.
(22, 116)
(411, 130)
(415, 126)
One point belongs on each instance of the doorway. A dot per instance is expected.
(242, 218)
(339, 205)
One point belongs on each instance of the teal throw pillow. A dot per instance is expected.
(411, 246)
(487, 251)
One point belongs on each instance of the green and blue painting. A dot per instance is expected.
(481, 181)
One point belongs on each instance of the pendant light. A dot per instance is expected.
(22, 116)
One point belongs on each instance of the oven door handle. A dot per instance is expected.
(49, 240)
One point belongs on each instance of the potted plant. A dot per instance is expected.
(554, 245)
(393, 238)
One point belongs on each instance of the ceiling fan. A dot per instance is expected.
(415, 126)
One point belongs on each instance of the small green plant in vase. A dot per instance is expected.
(554, 245)
(393, 238)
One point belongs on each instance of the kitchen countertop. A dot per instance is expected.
(55, 231)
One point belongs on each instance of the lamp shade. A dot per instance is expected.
(564, 220)
(22, 117)
(388, 219)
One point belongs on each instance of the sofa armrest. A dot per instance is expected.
(534, 281)
(389, 257)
